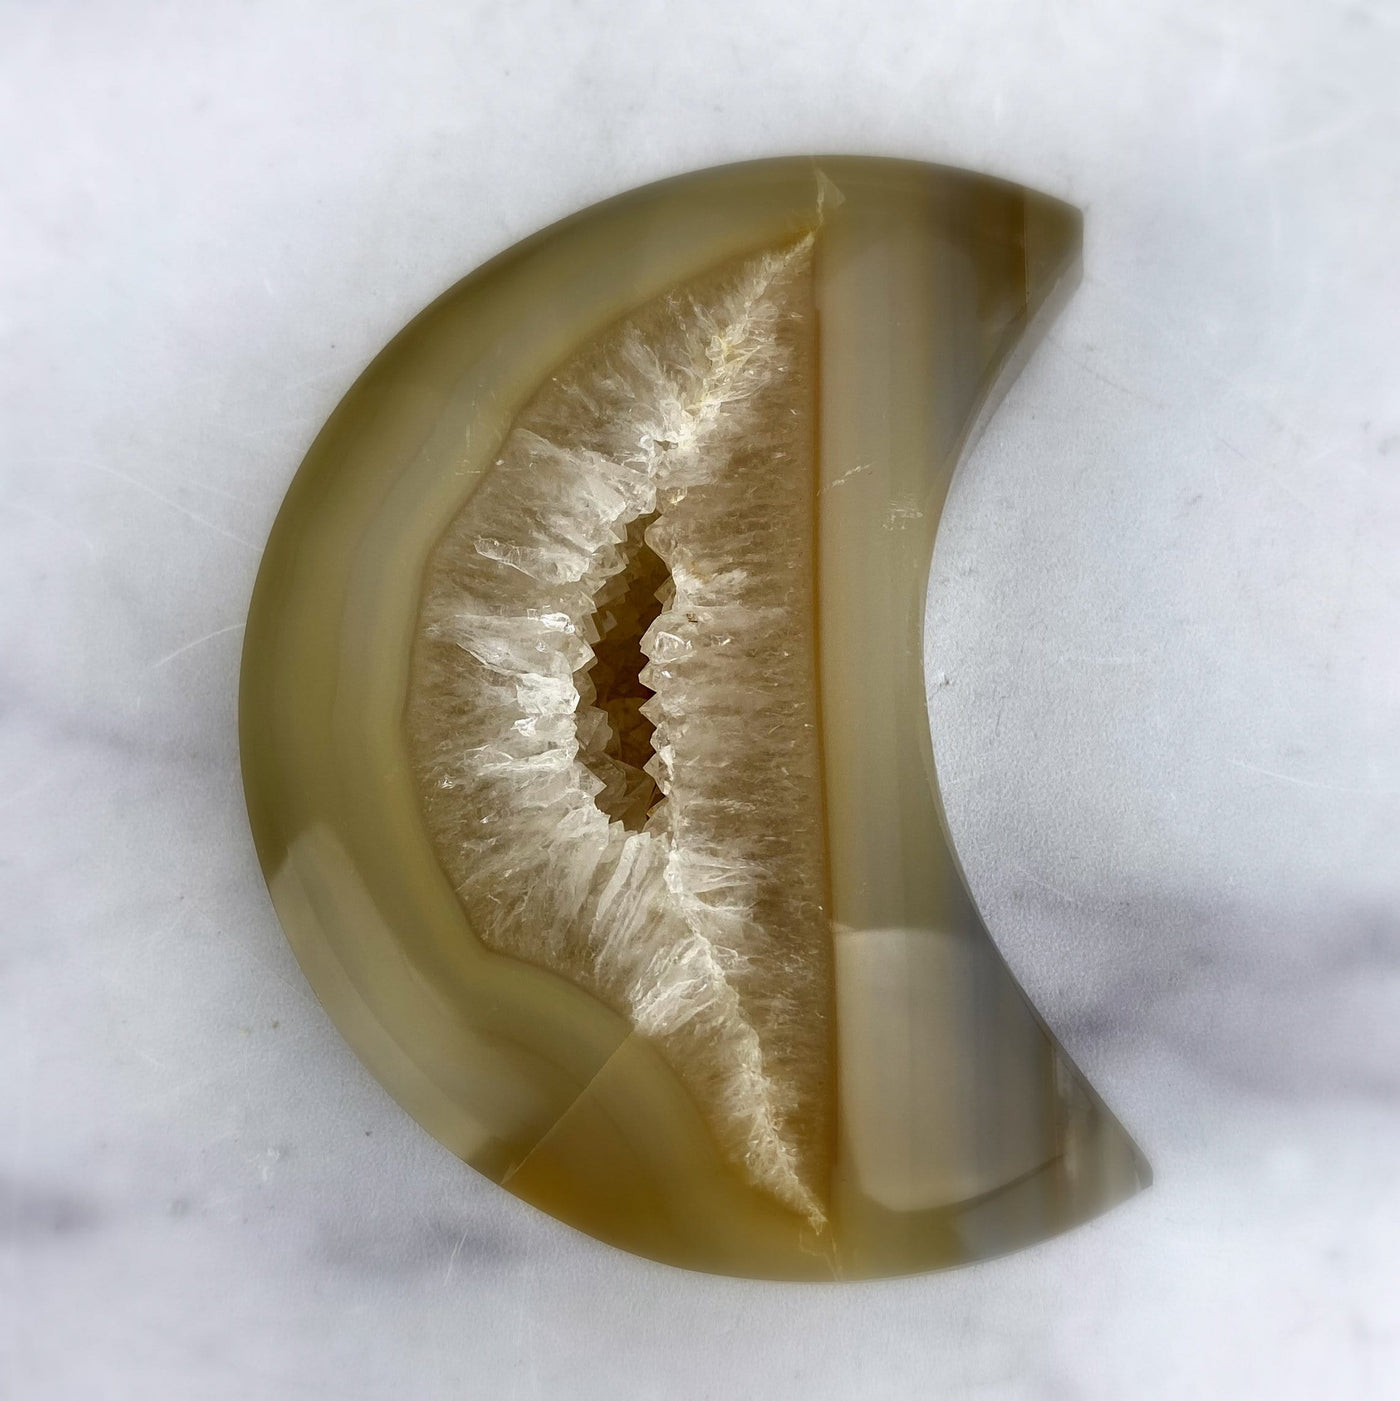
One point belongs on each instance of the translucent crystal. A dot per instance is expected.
(685, 888)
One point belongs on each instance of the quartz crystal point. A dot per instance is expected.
(585, 736)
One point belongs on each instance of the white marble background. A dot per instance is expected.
(1165, 655)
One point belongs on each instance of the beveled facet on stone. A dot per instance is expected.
(585, 737)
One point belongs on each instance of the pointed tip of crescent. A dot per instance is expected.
(1054, 239)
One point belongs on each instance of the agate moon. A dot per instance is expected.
(585, 739)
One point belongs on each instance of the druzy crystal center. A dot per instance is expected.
(613, 705)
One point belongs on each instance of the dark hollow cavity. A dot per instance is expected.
(627, 606)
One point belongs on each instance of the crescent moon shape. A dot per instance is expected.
(585, 739)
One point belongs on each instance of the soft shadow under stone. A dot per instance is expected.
(585, 740)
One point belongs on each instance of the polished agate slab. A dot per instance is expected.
(585, 737)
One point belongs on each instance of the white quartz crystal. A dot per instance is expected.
(703, 920)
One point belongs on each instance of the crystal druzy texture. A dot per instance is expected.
(585, 737)
(685, 890)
